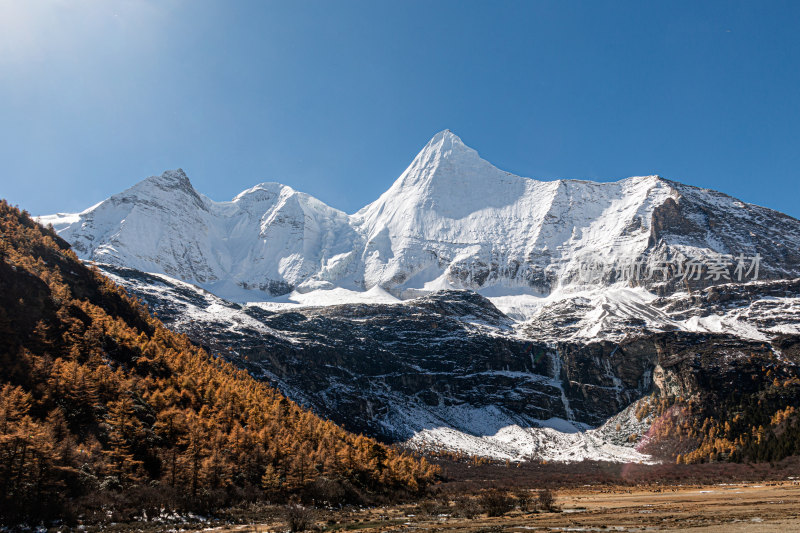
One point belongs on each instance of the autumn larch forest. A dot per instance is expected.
(103, 408)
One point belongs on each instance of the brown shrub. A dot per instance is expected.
(466, 507)
(524, 502)
(298, 518)
(496, 502)
(546, 500)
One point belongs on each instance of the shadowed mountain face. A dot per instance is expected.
(452, 361)
(465, 300)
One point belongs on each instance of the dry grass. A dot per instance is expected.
(728, 508)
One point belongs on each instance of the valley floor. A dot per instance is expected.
(728, 508)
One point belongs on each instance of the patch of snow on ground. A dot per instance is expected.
(517, 443)
(488, 432)
(335, 296)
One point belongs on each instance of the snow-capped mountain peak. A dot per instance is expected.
(451, 220)
(444, 163)
(443, 147)
(170, 178)
(260, 190)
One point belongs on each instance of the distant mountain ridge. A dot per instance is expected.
(450, 221)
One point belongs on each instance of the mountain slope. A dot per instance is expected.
(450, 371)
(98, 397)
(269, 238)
(586, 292)
(451, 220)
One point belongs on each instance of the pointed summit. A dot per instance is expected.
(170, 179)
(172, 186)
(446, 180)
(446, 139)
(446, 144)
(445, 158)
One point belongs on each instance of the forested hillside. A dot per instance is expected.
(101, 405)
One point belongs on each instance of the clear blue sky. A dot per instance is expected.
(336, 97)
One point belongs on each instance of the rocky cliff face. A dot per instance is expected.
(450, 370)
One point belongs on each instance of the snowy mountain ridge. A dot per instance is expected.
(451, 220)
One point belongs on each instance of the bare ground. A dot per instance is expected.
(715, 508)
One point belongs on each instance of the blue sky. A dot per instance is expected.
(336, 97)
